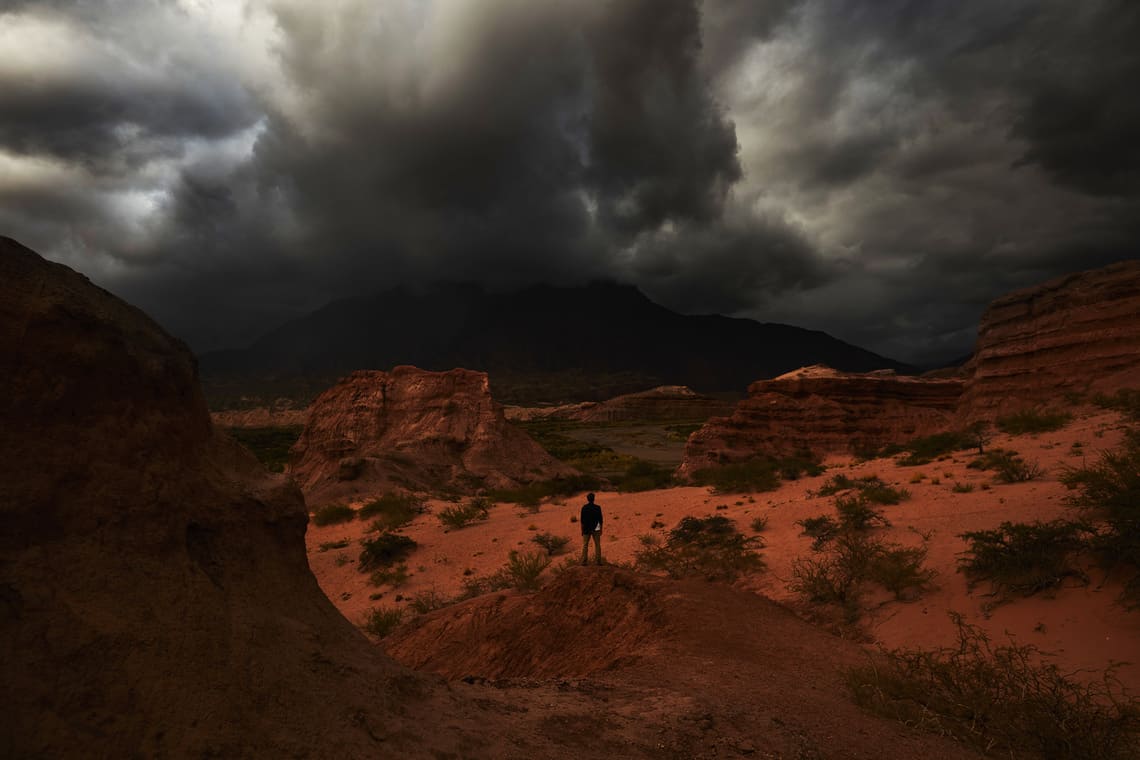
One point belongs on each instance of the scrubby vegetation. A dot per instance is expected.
(1126, 401)
(384, 551)
(1024, 558)
(643, 476)
(1109, 491)
(1008, 701)
(392, 510)
(1008, 466)
(1033, 421)
(475, 510)
(390, 576)
(381, 621)
(708, 547)
(553, 544)
(532, 494)
(758, 474)
(333, 514)
(427, 601)
(269, 444)
(856, 513)
(524, 569)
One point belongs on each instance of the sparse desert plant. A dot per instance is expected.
(978, 434)
(1110, 491)
(741, 477)
(856, 513)
(426, 601)
(924, 450)
(708, 547)
(1032, 421)
(759, 524)
(461, 516)
(392, 510)
(1126, 401)
(649, 539)
(822, 528)
(381, 621)
(1024, 558)
(389, 576)
(1018, 470)
(553, 544)
(524, 570)
(962, 487)
(802, 463)
(531, 495)
(333, 514)
(878, 492)
(1008, 700)
(644, 476)
(385, 550)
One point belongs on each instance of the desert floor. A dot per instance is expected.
(1081, 625)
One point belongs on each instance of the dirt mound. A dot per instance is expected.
(1076, 333)
(823, 410)
(415, 429)
(663, 403)
(741, 674)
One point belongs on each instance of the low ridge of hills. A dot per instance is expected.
(540, 344)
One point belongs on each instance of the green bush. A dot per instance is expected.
(742, 477)
(822, 528)
(1008, 701)
(1024, 558)
(643, 476)
(385, 550)
(709, 547)
(269, 444)
(1030, 421)
(475, 510)
(381, 621)
(392, 510)
(524, 570)
(333, 514)
(1126, 401)
(855, 513)
(553, 544)
(1110, 490)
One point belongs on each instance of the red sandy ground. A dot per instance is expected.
(1081, 625)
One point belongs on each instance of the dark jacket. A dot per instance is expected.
(591, 517)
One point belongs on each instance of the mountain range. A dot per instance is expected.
(540, 344)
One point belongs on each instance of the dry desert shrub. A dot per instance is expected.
(1007, 701)
(1033, 421)
(553, 544)
(333, 514)
(381, 621)
(1024, 558)
(709, 547)
(392, 510)
(475, 510)
(385, 550)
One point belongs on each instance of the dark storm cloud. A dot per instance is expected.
(878, 169)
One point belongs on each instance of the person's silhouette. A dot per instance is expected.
(591, 519)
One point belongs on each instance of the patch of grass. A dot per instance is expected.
(1126, 401)
(381, 621)
(392, 510)
(532, 494)
(708, 547)
(643, 476)
(329, 545)
(475, 510)
(1024, 558)
(742, 477)
(1110, 491)
(524, 570)
(1008, 466)
(1008, 700)
(924, 450)
(759, 524)
(877, 492)
(1032, 421)
(333, 514)
(553, 544)
(426, 601)
(385, 550)
(269, 444)
(389, 576)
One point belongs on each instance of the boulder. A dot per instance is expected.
(822, 410)
(413, 429)
(1072, 335)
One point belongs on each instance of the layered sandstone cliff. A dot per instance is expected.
(1075, 334)
(664, 403)
(412, 428)
(281, 414)
(822, 410)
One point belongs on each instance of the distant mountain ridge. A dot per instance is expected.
(541, 343)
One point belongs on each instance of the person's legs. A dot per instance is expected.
(585, 548)
(598, 546)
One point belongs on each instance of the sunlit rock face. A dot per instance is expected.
(412, 428)
(1072, 335)
(822, 410)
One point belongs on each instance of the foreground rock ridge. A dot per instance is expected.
(822, 410)
(1071, 335)
(414, 429)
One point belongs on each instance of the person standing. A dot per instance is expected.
(591, 520)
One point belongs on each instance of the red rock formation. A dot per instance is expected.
(281, 414)
(822, 410)
(664, 403)
(1076, 333)
(415, 429)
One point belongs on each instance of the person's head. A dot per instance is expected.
(590, 498)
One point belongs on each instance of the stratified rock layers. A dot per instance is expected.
(822, 410)
(1077, 333)
(414, 429)
(661, 404)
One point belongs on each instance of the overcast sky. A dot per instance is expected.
(879, 169)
